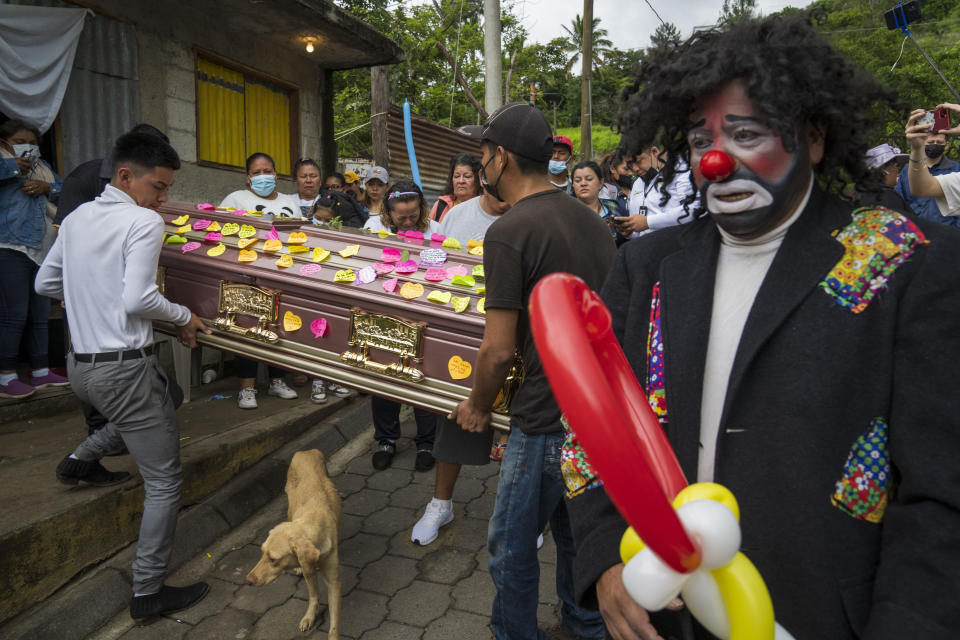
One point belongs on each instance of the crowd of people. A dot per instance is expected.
(790, 316)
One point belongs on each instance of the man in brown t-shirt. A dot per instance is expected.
(545, 231)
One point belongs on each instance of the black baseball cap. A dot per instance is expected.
(518, 128)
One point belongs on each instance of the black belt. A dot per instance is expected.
(113, 356)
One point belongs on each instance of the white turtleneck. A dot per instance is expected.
(741, 268)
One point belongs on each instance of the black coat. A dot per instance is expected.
(808, 378)
(84, 184)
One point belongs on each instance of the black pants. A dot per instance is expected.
(386, 422)
(23, 312)
(247, 368)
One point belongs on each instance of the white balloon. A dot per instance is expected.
(650, 582)
(702, 597)
(779, 633)
(715, 528)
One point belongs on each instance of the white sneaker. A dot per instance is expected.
(539, 541)
(247, 398)
(318, 395)
(437, 514)
(337, 390)
(280, 389)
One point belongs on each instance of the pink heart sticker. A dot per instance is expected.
(413, 235)
(190, 246)
(390, 285)
(435, 275)
(382, 268)
(436, 237)
(272, 234)
(457, 270)
(200, 225)
(390, 255)
(213, 237)
(239, 212)
(309, 269)
(206, 206)
(406, 267)
(318, 326)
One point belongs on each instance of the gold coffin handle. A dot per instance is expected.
(248, 300)
(396, 369)
(510, 385)
(387, 333)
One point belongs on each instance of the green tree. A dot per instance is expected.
(574, 42)
(666, 34)
(737, 10)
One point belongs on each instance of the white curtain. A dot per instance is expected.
(37, 46)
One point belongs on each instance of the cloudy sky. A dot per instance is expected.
(630, 23)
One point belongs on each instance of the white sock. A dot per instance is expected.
(73, 457)
(446, 504)
(39, 373)
(7, 378)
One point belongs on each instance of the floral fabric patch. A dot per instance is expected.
(876, 242)
(578, 474)
(862, 491)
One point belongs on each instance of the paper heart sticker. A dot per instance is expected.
(253, 214)
(176, 240)
(319, 327)
(433, 257)
(230, 228)
(382, 268)
(298, 248)
(297, 237)
(411, 290)
(200, 225)
(182, 230)
(459, 368)
(452, 243)
(272, 246)
(273, 234)
(457, 270)
(463, 281)
(247, 231)
(404, 255)
(243, 243)
(460, 304)
(181, 220)
(291, 321)
(238, 212)
(481, 290)
(366, 275)
(206, 206)
(309, 269)
(217, 250)
(482, 305)
(435, 275)
(284, 261)
(472, 244)
(478, 271)
(390, 285)
(247, 256)
(436, 237)
(213, 236)
(383, 233)
(190, 246)
(320, 254)
(406, 267)
(413, 235)
(345, 275)
(476, 251)
(214, 226)
(351, 250)
(443, 297)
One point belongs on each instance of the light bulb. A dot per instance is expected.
(309, 47)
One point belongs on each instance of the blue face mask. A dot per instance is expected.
(557, 167)
(263, 185)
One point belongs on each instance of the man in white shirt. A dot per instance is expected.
(104, 266)
(646, 212)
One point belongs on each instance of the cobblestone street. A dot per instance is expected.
(392, 588)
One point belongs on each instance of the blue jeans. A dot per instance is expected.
(529, 495)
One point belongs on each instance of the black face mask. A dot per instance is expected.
(491, 188)
(934, 150)
(626, 181)
(649, 175)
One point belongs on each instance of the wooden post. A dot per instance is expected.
(379, 105)
(328, 144)
(586, 103)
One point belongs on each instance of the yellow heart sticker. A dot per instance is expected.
(481, 290)
(443, 297)
(181, 220)
(297, 248)
(459, 368)
(383, 233)
(320, 254)
(248, 230)
(243, 243)
(476, 251)
(473, 244)
(482, 306)
(297, 237)
(291, 321)
(285, 261)
(214, 226)
(345, 275)
(247, 256)
(460, 304)
(182, 230)
(452, 243)
(411, 290)
(352, 250)
(217, 250)
(272, 246)
(230, 228)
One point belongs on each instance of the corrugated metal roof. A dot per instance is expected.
(434, 143)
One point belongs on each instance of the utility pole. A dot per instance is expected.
(379, 105)
(586, 101)
(493, 98)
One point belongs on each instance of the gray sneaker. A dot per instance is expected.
(337, 390)
(280, 389)
(318, 395)
(247, 398)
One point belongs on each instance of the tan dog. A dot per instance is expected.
(309, 541)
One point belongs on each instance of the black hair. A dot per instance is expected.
(791, 73)
(10, 127)
(464, 160)
(143, 127)
(302, 162)
(588, 164)
(343, 205)
(410, 192)
(339, 176)
(524, 165)
(609, 161)
(142, 152)
(259, 154)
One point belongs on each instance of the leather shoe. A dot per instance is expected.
(71, 471)
(146, 609)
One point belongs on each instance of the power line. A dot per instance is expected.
(654, 12)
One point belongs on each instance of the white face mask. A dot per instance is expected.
(30, 151)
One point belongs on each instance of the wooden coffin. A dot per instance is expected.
(378, 338)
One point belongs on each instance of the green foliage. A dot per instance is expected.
(605, 139)
(574, 45)
(737, 10)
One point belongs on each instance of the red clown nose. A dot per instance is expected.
(716, 165)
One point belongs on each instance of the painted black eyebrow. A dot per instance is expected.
(729, 118)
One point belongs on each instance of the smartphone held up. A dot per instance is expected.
(935, 119)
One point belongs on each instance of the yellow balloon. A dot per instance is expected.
(707, 491)
(630, 545)
(746, 599)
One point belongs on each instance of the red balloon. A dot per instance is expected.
(608, 410)
(716, 165)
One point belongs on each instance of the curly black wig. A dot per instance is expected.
(792, 74)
